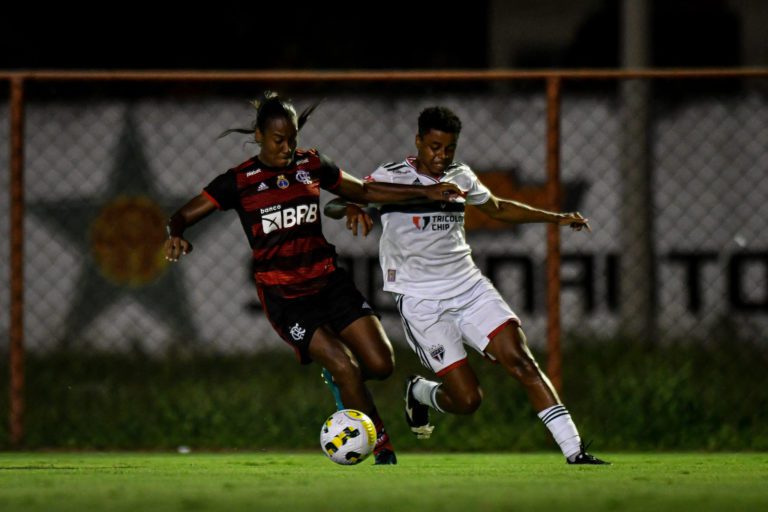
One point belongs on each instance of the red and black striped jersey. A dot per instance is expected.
(279, 209)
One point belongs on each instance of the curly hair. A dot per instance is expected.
(439, 118)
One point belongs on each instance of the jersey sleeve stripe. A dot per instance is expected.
(211, 199)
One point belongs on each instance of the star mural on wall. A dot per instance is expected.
(119, 236)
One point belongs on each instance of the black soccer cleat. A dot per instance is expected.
(416, 413)
(585, 458)
(384, 457)
(383, 452)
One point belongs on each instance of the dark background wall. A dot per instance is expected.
(395, 34)
(249, 36)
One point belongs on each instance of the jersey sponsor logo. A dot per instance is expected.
(252, 173)
(282, 181)
(436, 222)
(288, 218)
(437, 352)
(448, 218)
(303, 177)
(391, 275)
(297, 332)
(420, 222)
(270, 208)
(262, 187)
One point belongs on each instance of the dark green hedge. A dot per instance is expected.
(624, 397)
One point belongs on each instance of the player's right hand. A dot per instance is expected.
(356, 216)
(175, 247)
(573, 219)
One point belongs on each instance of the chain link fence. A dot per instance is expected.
(102, 173)
(675, 186)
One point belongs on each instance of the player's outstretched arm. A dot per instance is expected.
(515, 212)
(194, 211)
(355, 190)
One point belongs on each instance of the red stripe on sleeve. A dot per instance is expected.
(211, 199)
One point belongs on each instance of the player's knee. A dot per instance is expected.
(468, 403)
(380, 368)
(344, 370)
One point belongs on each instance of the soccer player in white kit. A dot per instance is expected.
(443, 299)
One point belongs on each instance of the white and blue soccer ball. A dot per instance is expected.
(348, 437)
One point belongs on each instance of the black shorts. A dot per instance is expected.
(336, 306)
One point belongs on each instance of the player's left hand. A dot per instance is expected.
(574, 220)
(356, 216)
(444, 192)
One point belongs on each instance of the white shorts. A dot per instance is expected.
(438, 329)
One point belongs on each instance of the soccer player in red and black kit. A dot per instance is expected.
(312, 304)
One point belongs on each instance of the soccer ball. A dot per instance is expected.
(348, 437)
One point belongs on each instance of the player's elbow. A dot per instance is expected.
(368, 193)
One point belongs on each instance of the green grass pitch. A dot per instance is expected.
(421, 482)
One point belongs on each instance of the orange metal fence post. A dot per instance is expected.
(554, 355)
(17, 263)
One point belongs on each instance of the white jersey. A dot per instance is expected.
(423, 249)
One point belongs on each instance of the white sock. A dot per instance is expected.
(558, 421)
(425, 392)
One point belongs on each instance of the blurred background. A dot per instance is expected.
(664, 306)
(395, 35)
